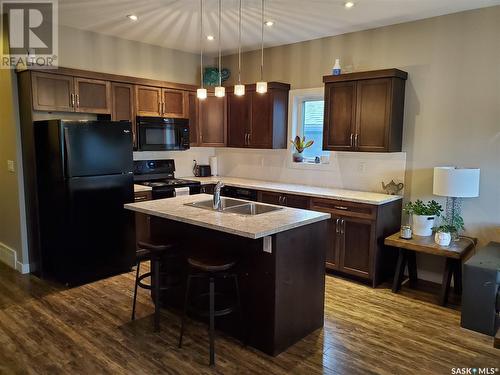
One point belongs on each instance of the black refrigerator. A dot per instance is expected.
(84, 177)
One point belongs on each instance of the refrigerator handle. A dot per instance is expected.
(66, 157)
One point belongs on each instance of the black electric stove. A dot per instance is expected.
(159, 175)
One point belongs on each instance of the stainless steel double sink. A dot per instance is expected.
(235, 206)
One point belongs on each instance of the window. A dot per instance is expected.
(312, 127)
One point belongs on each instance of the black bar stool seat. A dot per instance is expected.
(211, 266)
(155, 253)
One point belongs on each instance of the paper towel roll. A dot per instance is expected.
(181, 191)
(213, 165)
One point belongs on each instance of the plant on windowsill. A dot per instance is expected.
(300, 145)
(423, 215)
(449, 230)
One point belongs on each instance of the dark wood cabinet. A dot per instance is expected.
(175, 103)
(238, 118)
(356, 235)
(123, 105)
(52, 92)
(281, 199)
(364, 111)
(148, 101)
(259, 120)
(92, 96)
(207, 121)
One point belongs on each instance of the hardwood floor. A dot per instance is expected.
(46, 329)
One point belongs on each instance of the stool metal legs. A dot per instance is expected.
(186, 300)
(135, 289)
(155, 263)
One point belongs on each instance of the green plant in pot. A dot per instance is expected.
(300, 145)
(448, 230)
(423, 216)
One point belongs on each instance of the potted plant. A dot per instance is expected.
(300, 145)
(448, 230)
(423, 215)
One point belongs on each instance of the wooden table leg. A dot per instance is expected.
(445, 286)
(412, 267)
(457, 277)
(400, 270)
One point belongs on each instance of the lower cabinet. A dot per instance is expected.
(142, 221)
(280, 199)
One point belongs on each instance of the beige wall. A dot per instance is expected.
(91, 51)
(452, 107)
(10, 233)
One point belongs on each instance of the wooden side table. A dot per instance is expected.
(455, 254)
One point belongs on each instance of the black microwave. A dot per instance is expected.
(162, 134)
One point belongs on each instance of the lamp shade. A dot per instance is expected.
(456, 182)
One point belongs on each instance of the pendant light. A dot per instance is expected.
(261, 86)
(201, 93)
(239, 89)
(220, 91)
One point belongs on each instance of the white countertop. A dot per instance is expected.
(254, 227)
(311, 191)
(140, 188)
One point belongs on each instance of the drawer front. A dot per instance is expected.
(343, 208)
(141, 196)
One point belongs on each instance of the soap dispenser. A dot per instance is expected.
(336, 68)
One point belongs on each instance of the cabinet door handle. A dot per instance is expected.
(72, 104)
(163, 106)
(159, 108)
(337, 227)
(344, 208)
(249, 138)
(356, 140)
(77, 101)
(285, 201)
(141, 198)
(351, 139)
(342, 226)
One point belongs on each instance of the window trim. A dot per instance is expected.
(295, 115)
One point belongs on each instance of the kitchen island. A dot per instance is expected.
(281, 257)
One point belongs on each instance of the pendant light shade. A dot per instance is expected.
(239, 89)
(261, 86)
(220, 91)
(201, 93)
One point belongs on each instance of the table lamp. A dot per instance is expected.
(454, 184)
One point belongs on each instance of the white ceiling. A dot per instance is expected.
(175, 23)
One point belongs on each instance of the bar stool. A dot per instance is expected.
(210, 267)
(155, 253)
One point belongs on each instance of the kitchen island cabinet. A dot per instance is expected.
(280, 267)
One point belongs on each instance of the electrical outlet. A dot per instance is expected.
(11, 166)
(362, 167)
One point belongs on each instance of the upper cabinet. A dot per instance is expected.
(207, 121)
(364, 111)
(259, 120)
(123, 105)
(62, 93)
(161, 102)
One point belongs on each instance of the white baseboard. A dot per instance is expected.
(9, 257)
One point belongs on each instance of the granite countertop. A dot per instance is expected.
(254, 227)
(139, 188)
(311, 191)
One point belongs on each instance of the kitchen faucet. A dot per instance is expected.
(217, 205)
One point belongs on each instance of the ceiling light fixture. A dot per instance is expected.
(261, 86)
(220, 90)
(201, 93)
(269, 23)
(239, 89)
(210, 37)
(132, 17)
(349, 4)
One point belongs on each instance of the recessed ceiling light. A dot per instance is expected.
(132, 17)
(210, 37)
(349, 4)
(269, 23)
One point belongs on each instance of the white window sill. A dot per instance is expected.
(308, 165)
